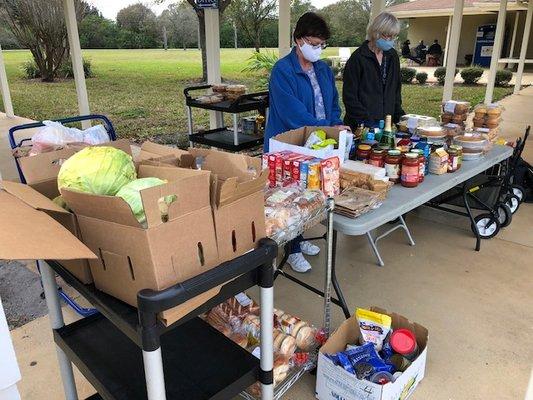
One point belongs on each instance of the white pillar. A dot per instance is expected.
(448, 30)
(496, 51)
(4, 88)
(376, 7)
(212, 48)
(451, 60)
(523, 48)
(76, 58)
(513, 38)
(284, 28)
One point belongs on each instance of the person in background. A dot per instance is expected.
(421, 50)
(372, 86)
(406, 52)
(303, 93)
(435, 51)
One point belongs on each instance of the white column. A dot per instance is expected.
(448, 30)
(376, 7)
(451, 60)
(212, 47)
(513, 38)
(4, 88)
(76, 58)
(284, 28)
(523, 48)
(496, 51)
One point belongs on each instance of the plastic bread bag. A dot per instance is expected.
(374, 326)
(314, 138)
(54, 133)
(304, 334)
(95, 135)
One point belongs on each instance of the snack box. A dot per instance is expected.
(171, 249)
(294, 141)
(334, 383)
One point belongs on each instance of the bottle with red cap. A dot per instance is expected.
(403, 342)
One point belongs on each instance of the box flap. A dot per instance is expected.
(31, 197)
(30, 234)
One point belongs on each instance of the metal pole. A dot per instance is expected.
(284, 28)
(266, 335)
(496, 51)
(4, 88)
(447, 39)
(329, 263)
(513, 38)
(77, 60)
(56, 320)
(189, 124)
(212, 47)
(153, 371)
(523, 48)
(235, 130)
(451, 60)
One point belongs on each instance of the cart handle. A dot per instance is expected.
(108, 126)
(152, 301)
(193, 88)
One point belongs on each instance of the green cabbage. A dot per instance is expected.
(99, 170)
(131, 193)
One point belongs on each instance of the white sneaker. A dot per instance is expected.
(309, 249)
(298, 262)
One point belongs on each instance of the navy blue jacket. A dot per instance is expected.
(292, 103)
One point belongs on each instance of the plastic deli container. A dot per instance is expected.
(382, 378)
(403, 342)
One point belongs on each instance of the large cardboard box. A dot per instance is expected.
(294, 141)
(238, 201)
(29, 233)
(334, 383)
(171, 249)
(158, 154)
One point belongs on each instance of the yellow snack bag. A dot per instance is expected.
(374, 326)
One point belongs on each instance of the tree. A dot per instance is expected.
(40, 27)
(251, 17)
(97, 32)
(181, 24)
(138, 26)
(298, 8)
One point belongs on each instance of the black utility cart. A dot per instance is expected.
(226, 138)
(127, 353)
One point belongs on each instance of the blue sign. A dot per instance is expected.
(207, 3)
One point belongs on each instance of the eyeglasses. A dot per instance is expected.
(322, 45)
(389, 37)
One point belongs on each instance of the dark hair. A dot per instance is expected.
(311, 24)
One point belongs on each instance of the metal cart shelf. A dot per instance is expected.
(185, 360)
(227, 138)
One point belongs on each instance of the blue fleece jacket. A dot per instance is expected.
(292, 103)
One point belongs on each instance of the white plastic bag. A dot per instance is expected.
(95, 135)
(54, 133)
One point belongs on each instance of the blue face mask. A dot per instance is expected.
(385, 44)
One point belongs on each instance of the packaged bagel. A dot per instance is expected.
(456, 107)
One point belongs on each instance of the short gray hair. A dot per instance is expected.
(384, 24)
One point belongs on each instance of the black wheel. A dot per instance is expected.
(519, 192)
(487, 225)
(513, 202)
(505, 216)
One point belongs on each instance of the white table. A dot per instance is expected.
(401, 200)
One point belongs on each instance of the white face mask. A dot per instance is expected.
(310, 54)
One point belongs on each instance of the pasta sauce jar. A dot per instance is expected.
(453, 159)
(410, 170)
(422, 165)
(362, 153)
(377, 158)
(393, 165)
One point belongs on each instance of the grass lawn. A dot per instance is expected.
(141, 91)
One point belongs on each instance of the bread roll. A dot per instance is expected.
(288, 346)
(305, 339)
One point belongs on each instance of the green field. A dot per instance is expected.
(141, 91)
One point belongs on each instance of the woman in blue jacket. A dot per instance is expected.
(303, 93)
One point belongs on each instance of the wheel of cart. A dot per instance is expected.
(515, 194)
(15, 141)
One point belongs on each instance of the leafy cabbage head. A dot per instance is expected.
(99, 170)
(131, 193)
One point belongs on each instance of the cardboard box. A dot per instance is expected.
(158, 154)
(29, 233)
(238, 201)
(170, 250)
(334, 383)
(294, 141)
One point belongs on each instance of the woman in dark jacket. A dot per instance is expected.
(372, 87)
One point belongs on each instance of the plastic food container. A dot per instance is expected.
(431, 132)
(472, 144)
(382, 378)
(410, 122)
(456, 107)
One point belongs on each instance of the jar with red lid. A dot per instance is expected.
(422, 166)
(377, 158)
(453, 159)
(403, 341)
(393, 164)
(363, 153)
(410, 170)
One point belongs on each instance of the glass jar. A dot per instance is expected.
(393, 165)
(453, 159)
(422, 166)
(410, 170)
(377, 158)
(460, 153)
(362, 153)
